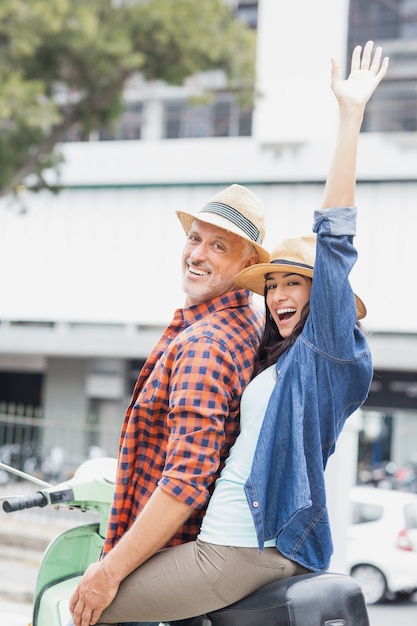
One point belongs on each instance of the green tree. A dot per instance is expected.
(65, 62)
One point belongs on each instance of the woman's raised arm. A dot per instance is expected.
(352, 95)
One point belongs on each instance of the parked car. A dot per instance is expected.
(382, 542)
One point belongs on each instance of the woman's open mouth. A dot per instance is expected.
(285, 314)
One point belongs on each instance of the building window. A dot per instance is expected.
(393, 25)
(247, 11)
(127, 127)
(222, 118)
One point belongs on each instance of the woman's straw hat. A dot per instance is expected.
(237, 210)
(292, 255)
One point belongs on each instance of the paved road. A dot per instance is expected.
(392, 613)
(13, 614)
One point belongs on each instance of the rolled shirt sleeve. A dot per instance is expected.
(204, 401)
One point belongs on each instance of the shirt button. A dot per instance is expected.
(255, 504)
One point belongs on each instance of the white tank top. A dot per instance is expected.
(228, 520)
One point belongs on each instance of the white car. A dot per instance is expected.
(382, 542)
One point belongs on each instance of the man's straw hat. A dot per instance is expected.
(292, 255)
(237, 210)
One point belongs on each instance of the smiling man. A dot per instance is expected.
(184, 413)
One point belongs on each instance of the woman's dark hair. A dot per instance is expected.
(272, 344)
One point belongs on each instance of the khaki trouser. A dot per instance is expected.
(193, 579)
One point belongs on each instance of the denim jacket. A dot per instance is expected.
(321, 380)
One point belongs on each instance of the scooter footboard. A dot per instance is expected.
(328, 599)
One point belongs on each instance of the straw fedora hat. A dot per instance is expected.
(292, 255)
(237, 210)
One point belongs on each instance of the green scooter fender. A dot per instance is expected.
(62, 565)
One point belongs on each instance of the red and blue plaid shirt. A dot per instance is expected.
(184, 413)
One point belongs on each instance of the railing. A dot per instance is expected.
(51, 448)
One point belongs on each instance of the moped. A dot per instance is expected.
(69, 554)
(328, 599)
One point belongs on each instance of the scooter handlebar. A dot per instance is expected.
(18, 503)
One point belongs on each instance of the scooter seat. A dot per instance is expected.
(328, 599)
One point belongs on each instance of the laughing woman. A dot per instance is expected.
(267, 518)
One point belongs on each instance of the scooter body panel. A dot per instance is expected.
(63, 562)
(70, 553)
(52, 607)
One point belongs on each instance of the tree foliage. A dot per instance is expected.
(65, 62)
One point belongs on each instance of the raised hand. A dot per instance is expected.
(352, 94)
(365, 75)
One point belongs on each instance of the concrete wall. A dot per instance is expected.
(63, 403)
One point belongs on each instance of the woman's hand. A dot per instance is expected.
(365, 75)
(352, 95)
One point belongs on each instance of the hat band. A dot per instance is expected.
(295, 264)
(235, 217)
